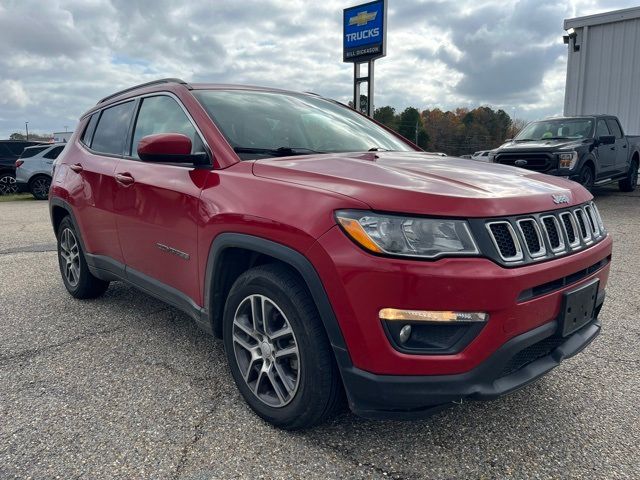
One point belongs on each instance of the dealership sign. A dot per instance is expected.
(364, 32)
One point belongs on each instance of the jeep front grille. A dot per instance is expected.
(537, 237)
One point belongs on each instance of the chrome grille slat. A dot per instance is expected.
(551, 227)
(533, 240)
(501, 232)
(583, 230)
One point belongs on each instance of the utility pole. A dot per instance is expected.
(26, 126)
(416, 142)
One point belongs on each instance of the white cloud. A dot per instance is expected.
(58, 57)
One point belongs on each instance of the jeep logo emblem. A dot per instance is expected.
(558, 199)
(520, 163)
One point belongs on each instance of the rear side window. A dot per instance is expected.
(32, 152)
(614, 127)
(111, 132)
(88, 131)
(53, 153)
(602, 129)
(163, 114)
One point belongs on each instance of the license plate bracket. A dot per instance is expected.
(578, 307)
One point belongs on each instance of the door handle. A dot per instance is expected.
(76, 168)
(124, 179)
(613, 148)
(624, 146)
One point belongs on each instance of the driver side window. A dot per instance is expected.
(162, 114)
(602, 129)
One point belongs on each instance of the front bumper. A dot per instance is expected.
(520, 361)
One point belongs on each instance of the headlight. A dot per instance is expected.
(568, 159)
(407, 236)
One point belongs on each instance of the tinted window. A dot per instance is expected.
(53, 153)
(4, 151)
(162, 114)
(32, 152)
(91, 127)
(614, 127)
(111, 132)
(602, 129)
(17, 147)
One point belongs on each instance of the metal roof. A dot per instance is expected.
(602, 18)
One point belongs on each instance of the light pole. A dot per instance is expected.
(26, 126)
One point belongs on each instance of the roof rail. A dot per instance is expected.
(142, 85)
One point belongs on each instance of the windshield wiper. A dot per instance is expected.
(525, 140)
(276, 152)
(378, 149)
(557, 138)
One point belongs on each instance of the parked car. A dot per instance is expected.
(34, 169)
(330, 255)
(10, 151)
(482, 155)
(592, 150)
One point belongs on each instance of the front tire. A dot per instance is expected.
(77, 278)
(39, 187)
(587, 177)
(278, 350)
(629, 184)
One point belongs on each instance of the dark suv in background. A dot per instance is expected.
(10, 151)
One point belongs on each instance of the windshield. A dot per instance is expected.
(557, 129)
(258, 124)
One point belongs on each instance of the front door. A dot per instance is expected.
(157, 206)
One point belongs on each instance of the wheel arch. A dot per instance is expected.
(58, 209)
(231, 254)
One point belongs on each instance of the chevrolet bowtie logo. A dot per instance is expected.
(363, 18)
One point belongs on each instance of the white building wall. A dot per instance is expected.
(604, 75)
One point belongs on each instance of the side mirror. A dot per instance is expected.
(508, 140)
(607, 139)
(169, 148)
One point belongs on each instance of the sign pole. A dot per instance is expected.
(370, 90)
(364, 40)
(356, 86)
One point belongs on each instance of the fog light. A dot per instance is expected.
(405, 333)
(431, 316)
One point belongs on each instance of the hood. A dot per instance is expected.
(541, 145)
(415, 182)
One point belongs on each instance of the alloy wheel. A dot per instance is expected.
(266, 350)
(41, 187)
(8, 185)
(70, 253)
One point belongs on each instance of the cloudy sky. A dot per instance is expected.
(58, 57)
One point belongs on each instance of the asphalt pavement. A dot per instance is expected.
(126, 387)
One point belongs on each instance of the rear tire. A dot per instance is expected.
(39, 187)
(77, 278)
(278, 351)
(629, 184)
(586, 177)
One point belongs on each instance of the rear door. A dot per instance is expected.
(622, 147)
(93, 170)
(158, 204)
(606, 153)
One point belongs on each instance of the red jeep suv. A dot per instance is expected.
(332, 256)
